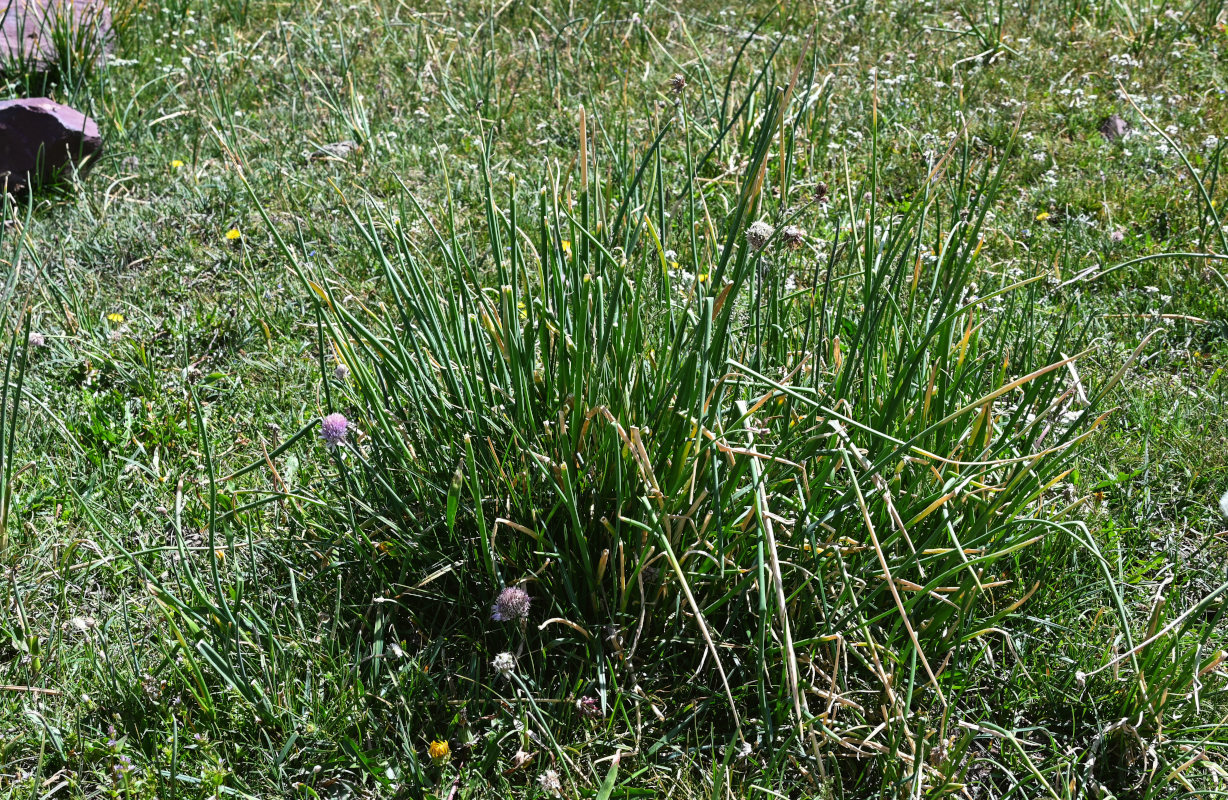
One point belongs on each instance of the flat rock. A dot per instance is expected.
(39, 138)
(337, 151)
(1114, 127)
(31, 29)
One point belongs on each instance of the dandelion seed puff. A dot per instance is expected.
(512, 604)
(758, 234)
(333, 430)
(341, 373)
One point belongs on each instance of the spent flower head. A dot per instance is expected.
(793, 236)
(588, 707)
(504, 664)
(677, 84)
(758, 234)
(550, 783)
(333, 430)
(37, 339)
(511, 605)
(341, 373)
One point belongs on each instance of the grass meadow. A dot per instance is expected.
(622, 400)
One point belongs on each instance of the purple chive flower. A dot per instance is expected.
(333, 429)
(1117, 236)
(511, 605)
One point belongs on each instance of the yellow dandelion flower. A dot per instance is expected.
(1042, 216)
(439, 751)
(233, 234)
(567, 247)
(176, 164)
(115, 317)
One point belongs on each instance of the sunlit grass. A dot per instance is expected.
(848, 433)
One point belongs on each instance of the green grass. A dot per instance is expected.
(569, 369)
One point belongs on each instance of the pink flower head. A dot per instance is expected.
(512, 604)
(333, 429)
(589, 707)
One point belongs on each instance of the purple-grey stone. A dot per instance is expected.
(39, 138)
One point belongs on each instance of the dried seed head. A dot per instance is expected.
(793, 236)
(758, 234)
(677, 84)
(588, 707)
(550, 783)
(504, 664)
